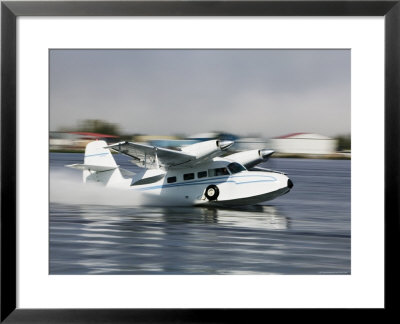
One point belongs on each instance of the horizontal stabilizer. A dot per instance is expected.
(90, 167)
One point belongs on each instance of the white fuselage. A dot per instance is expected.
(188, 186)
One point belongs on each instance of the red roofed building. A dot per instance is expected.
(291, 135)
(92, 136)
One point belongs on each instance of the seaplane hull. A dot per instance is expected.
(246, 187)
(214, 181)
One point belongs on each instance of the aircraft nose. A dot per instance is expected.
(225, 144)
(290, 184)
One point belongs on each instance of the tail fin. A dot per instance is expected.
(100, 166)
(96, 154)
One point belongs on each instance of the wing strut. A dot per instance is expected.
(156, 158)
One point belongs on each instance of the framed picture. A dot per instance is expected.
(114, 74)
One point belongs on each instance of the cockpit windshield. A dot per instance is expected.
(236, 167)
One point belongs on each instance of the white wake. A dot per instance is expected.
(65, 189)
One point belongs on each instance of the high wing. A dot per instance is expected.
(146, 156)
(152, 157)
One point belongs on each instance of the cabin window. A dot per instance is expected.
(218, 172)
(171, 179)
(202, 174)
(188, 176)
(236, 167)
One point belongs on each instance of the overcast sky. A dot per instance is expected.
(247, 92)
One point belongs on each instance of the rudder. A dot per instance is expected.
(100, 167)
(96, 154)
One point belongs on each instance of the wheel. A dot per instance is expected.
(212, 192)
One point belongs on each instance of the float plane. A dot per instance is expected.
(197, 174)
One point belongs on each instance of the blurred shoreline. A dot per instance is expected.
(334, 156)
(293, 145)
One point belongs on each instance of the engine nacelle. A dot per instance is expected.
(207, 149)
(252, 157)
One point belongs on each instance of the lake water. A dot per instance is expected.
(307, 231)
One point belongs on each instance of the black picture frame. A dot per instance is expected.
(10, 10)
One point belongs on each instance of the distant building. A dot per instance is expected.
(303, 143)
(251, 143)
